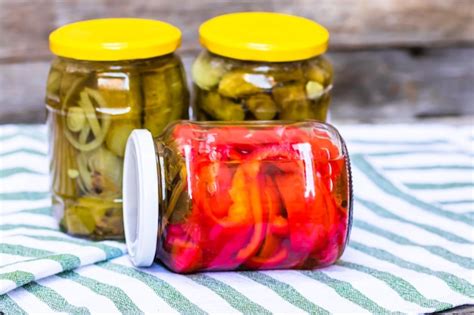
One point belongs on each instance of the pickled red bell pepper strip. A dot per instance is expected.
(273, 205)
(252, 169)
(271, 253)
(269, 262)
(305, 200)
(213, 193)
(245, 215)
(225, 205)
(183, 245)
(326, 251)
(231, 226)
(300, 219)
(186, 255)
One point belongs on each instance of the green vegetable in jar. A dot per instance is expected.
(321, 106)
(53, 84)
(293, 102)
(98, 127)
(262, 106)
(106, 171)
(178, 92)
(207, 71)
(76, 118)
(319, 70)
(221, 108)
(236, 84)
(93, 216)
(64, 161)
(178, 206)
(155, 89)
(286, 73)
(314, 90)
(121, 94)
(289, 94)
(117, 136)
(122, 100)
(165, 98)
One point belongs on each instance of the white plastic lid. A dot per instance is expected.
(140, 198)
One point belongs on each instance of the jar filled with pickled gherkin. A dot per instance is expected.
(262, 66)
(110, 76)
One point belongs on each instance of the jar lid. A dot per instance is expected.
(140, 198)
(115, 39)
(264, 36)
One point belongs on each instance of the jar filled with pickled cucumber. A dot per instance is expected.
(237, 195)
(262, 66)
(110, 76)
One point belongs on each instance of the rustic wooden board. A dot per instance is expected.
(396, 85)
(25, 25)
(382, 85)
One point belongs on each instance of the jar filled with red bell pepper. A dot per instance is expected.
(244, 195)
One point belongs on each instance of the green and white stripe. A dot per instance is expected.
(411, 249)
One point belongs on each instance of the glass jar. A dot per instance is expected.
(262, 66)
(247, 195)
(109, 77)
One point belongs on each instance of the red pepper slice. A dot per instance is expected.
(182, 252)
(303, 220)
(251, 171)
(327, 250)
(271, 253)
(273, 261)
(231, 231)
(213, 184)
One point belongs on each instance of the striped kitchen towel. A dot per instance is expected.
(411, 247)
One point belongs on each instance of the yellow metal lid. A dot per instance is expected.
(115, 39)
(263, 36)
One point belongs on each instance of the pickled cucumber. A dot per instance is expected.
(262, 106)
(93, 216)
(221, 108)
(285, 73)
(293, 102)
(165, 98)
(237, 84)
(319, 70)
(118, 135)
(207, 71)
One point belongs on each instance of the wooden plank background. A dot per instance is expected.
(394, 60)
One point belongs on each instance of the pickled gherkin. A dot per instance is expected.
(236, 84)
(319, 70)
(93, 108)
(207, 71)
(219, 107)
(231, 89)
(262, 106)
(165, 96)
